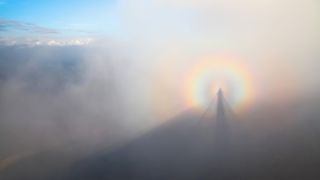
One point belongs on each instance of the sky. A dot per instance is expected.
(68, 17)
(69, 67)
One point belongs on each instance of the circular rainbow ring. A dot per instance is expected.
(207, 77)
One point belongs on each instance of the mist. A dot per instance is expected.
(71, 95)
(141, 100)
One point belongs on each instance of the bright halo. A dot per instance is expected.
(210, 74)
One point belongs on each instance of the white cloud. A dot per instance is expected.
(47, 41)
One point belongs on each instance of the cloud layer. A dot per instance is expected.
(95, 91)
(12, 25)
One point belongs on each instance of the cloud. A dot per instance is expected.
(24, 33)
(56, 95)
(13, 25)
(46, 41)
(53, 92)
(272, 37)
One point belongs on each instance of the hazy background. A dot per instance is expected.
(99, 73)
